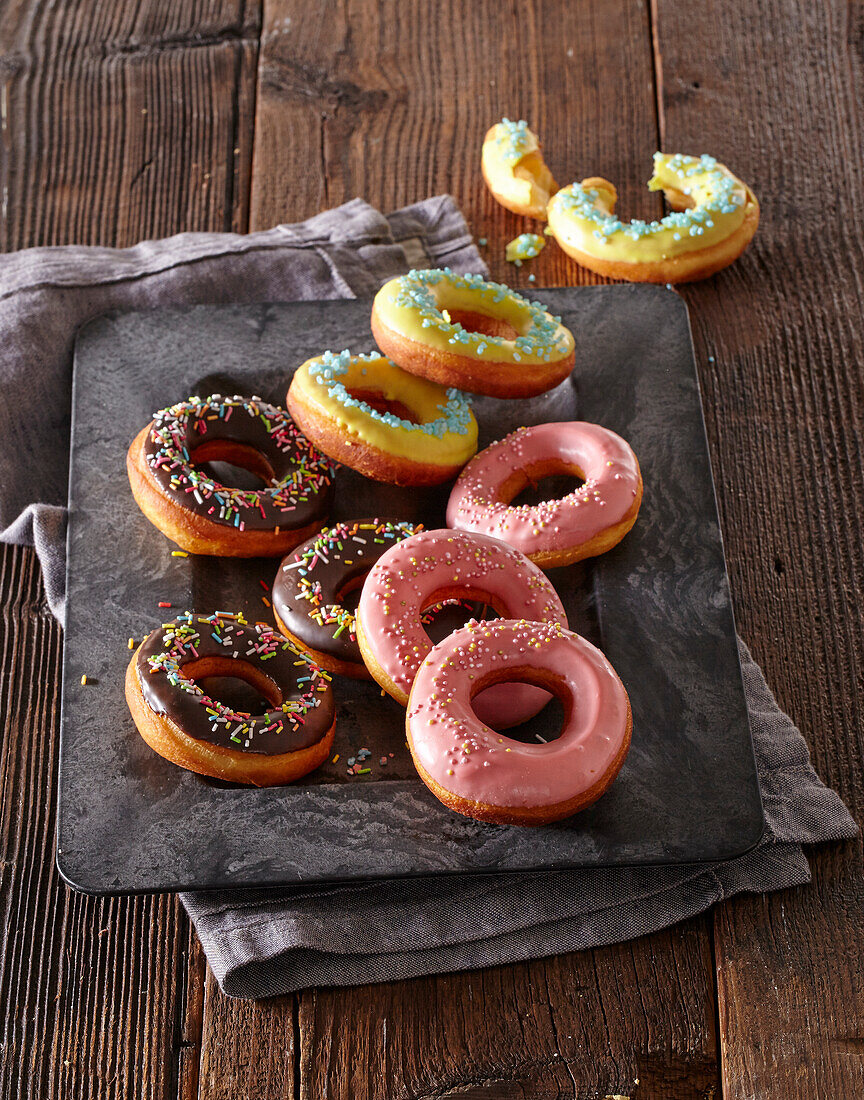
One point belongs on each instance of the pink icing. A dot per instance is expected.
(406, 579)
(605, 460)
(473, 762)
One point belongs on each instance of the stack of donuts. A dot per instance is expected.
(401, 416)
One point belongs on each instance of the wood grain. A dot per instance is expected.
(119, 121)
(94, 990)
(777, 90)
(249, 1048)
(125, 121)
(391, 102)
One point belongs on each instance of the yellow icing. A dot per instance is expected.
(514, 168)
(524, 247)
(418, 306)
(451, 435)
(709, 205)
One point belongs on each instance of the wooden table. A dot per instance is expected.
(126, 119)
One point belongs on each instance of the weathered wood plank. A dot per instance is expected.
(391, 102)
(119, 122)
(249, 1047)
(124, 120)
(778, 91)
(93, 991)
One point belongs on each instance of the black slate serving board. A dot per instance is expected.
(658, 605)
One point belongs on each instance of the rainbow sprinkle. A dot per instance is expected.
(175, 428)
(330, 545)
(257, 641)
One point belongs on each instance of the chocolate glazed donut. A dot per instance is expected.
(202, 515)
(313, 580)
(181, 722)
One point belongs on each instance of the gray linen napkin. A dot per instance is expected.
(260, 943)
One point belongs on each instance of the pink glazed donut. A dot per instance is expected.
(586, 522)
(439, 565)
(477, 772)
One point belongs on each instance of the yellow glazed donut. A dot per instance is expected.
(391, 426)
(460, 330)
(714, 218)
(514, 169)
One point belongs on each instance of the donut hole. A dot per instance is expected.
(549, 723)
(377, 401)
(235, 683)
(349, 594)
(236, 693)
(233, 477)
(440, 619)
(678, 200)
(449, 609)
(544, 727)
(446, 611)
(234, 465)
(483, 323)
(546, 481)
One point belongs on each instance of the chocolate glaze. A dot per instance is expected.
(300, 477)
(311, 579)
(307, 708)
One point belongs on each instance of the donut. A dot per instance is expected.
(514, 170)
(365, 412)
(588, 521)
(203, 516)
(481, 774)
(714, 218)
(460, 330)
(433, 566)
(313, 580)
(181, 722)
